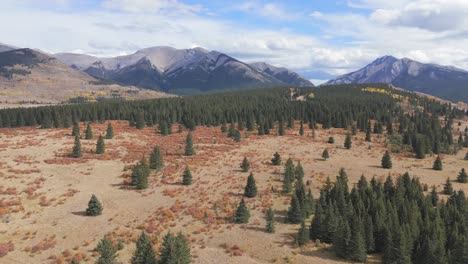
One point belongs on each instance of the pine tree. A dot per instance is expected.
(325, 154)
(281, 128)
(250, 190)
(110, 131)
(387, 160)
(303, 235)
(231, 130)
(437, 164)
(156, 159)
(466, 156)
(270, 217)
(144, 253)
(448, 189)
(347, 143)
(76, 152)
(331, 140)
(107, 252)
(288, 176)
(276, 159)
(140, 174)
(462, 176)
(301, 129)
(223, 127)
(317, 225)
(299, 172)
(100, 145)
(368, 136)
(341, 239)
(76, 130)
(189, 150)
(140, 120)
(237, 136)
(295, 214)
(434, 197)
(175, 250)
(94, 206)
(242, 214)
(187, 176)
(245, 165)
(89, 132)
(357, 245)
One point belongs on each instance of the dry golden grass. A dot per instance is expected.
(45, 193)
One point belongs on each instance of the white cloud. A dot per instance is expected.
(138, 6)
(273, 11)
(316, 14)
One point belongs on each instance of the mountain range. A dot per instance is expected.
(31, 77)
(183, 71)
(446, 82)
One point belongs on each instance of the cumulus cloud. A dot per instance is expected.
(138, 6)
(269, 10)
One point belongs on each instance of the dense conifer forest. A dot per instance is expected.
(419, 124)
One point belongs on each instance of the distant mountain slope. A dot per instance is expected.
(4, 47)
(182, 70)
(442, 81)
(282, 74)
(31, 76)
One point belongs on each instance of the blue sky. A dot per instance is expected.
(320, 39)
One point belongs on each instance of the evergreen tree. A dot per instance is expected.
(281, 128)
(368, 131)
(231, 130)
(317, 225)
(76, 130)
(140, 174)
(466, 156)
(245, 165)
(223, 127)
(110, 131)
(144, 253)
(341, 239)
(242, 214)
(437, 164)
(189, 150)
(100, 145)
(387, 160)
(288, 176)
(434, 197)
(89, 132)
(107, 252)
(237, 136)
(357, 245)
(448, 189)
(301, 129)
(175, 250)
(331, 140)
(347, 143)
(270, 217)
(140, 120)
(187, 176)
(299, 172)
(325, 154)
(94, 206)
(462, 176)
(250, 190)
(295, 214)
(156, 159)
(276, 159)
(302, 235)
(76, 152)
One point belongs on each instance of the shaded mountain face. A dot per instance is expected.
(282, 74)
(442, 81)
(4, 47)
(28, 75)
(182, 71)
